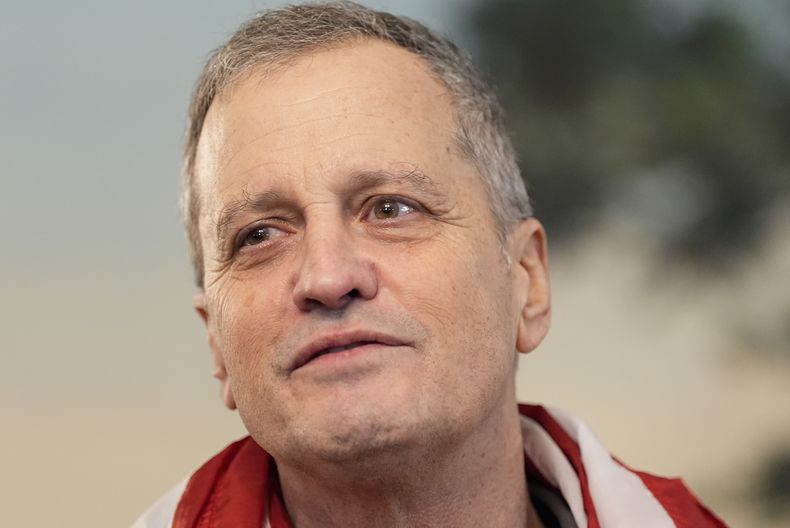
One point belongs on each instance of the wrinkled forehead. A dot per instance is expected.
(353, 103)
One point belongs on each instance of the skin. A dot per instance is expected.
(334, 202)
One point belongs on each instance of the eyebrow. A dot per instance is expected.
(414, 178)
(357, 182)
(250, 202)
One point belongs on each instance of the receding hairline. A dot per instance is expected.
(264, 69)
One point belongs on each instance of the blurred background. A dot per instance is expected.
(655, 136)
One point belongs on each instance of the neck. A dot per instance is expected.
(479, 481)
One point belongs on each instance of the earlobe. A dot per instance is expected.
(529, 254)
(218, 363)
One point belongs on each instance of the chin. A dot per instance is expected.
(363, 439)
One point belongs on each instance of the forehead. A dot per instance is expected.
(359, 106)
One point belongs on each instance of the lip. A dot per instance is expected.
(320, 344)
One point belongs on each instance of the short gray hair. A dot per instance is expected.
(274, 37)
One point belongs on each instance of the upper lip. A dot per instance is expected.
(321, 343)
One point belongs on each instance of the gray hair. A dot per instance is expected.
(275, 37)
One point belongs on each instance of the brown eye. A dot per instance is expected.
(390, 208)
(386, 209)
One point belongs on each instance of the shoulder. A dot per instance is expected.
(562, 452)
(160, 513)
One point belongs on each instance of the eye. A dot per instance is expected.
(389, 209)
(259, 235)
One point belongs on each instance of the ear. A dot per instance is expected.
(219, 371)
(531, 292)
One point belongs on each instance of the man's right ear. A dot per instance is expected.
(219, 371)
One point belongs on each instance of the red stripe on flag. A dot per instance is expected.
(679, 502)
(200, 487)
(229, 490)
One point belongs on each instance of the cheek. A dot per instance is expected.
(465, 298)
(247, 325)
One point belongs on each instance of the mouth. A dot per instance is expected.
(340, 342)
(332, 350)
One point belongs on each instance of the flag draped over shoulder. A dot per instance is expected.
(239, 488)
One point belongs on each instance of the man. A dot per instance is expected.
(369, 269)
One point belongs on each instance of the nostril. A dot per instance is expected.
(320, 286)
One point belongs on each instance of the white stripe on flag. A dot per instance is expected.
(620, 497)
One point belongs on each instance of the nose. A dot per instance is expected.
(333, 272)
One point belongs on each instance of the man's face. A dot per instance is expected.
(356, 292)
